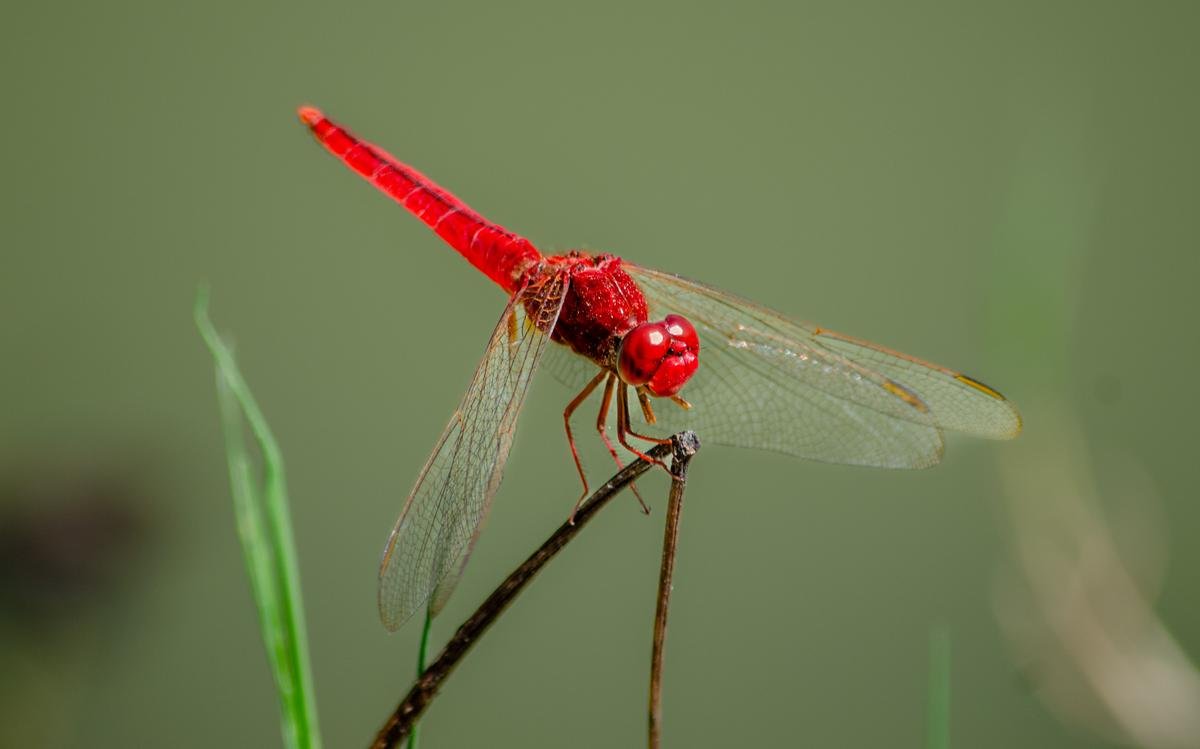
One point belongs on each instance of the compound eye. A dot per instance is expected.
(682, 330)
(673, 374)
(642, 350)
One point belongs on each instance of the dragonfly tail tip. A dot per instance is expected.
(310, 115)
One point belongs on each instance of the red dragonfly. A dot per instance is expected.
(766, 381)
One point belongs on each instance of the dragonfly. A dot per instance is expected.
(753, 378)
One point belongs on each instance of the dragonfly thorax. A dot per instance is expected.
(604, 318)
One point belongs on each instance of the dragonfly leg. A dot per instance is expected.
(570, 409)
(647, 409)
(602, 428)
(629, 425)
(624, 431)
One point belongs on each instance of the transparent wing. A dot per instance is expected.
(440, 520)
(768, 382)
(958, 402)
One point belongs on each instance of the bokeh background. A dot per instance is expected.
(1009, 188)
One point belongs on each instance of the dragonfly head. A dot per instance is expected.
(663, 356)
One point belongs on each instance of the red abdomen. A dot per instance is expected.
(500, 254)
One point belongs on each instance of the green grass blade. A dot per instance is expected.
(265, 529)
(938, 725)
(422, 658)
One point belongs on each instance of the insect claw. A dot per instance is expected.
(642, 502)
(575, 509)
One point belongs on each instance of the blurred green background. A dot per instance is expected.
(1007, 188)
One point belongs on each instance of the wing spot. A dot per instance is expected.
(905, 395)
(980, 386)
